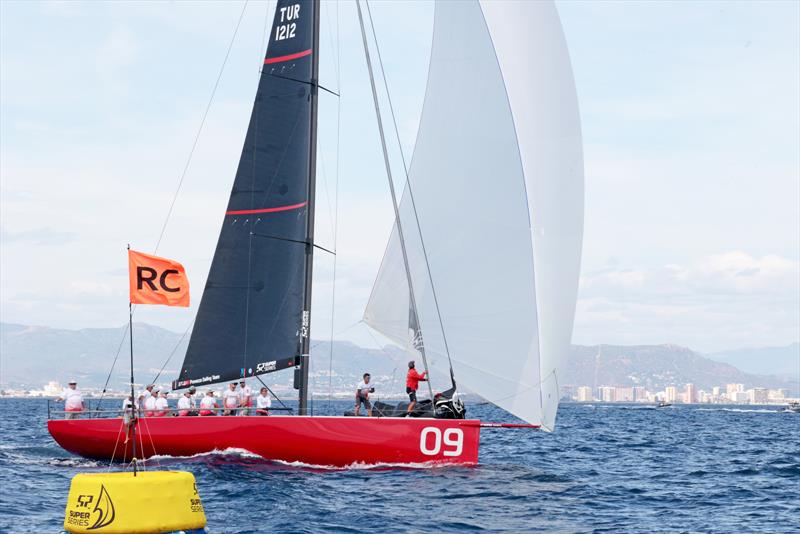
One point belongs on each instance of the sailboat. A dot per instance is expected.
(483, 258)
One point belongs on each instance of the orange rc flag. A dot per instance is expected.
(155, 280)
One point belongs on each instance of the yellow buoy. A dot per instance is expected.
(151, 501)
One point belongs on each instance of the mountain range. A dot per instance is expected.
(30, 356)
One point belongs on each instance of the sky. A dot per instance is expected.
(691, 129)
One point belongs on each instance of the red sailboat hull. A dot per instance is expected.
(321, 441)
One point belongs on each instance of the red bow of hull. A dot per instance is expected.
(322, 441)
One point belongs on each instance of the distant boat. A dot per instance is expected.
(497, 176)
(794, 407)
(663, 404)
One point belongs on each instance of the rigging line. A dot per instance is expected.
(300, 241)
(325, 180)
(330, 35)
(378, 344)
(114, 363)
(273, 393)
(178, 344)
(395, 205)
(200, 129)
(288, 78)
(264, 38)
(183, 175)
(336, 208)
(411, 194)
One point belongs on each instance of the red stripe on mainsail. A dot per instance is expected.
(267, 210)
(287, 57)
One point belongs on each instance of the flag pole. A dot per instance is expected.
(133, 398)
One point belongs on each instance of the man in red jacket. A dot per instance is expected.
(413, 378)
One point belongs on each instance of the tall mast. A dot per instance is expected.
(391, 189)
(301, 376)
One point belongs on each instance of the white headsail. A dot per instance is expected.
(497, 183)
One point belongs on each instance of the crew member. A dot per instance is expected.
(128, 406)
(245, 398)
(263, 402)
(194, 397)
(148, 391)
(230, 399)
(127, 409)
(413, 378)
(150, 402)
(362, 396)
(208, 404)
(73, 400)
(162, 405)
(185, 404)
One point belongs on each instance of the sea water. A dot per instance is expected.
(606, 468)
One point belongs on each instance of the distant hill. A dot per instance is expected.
(781, 361)
(32, 355)
(657, 366)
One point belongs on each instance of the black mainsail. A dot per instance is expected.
(254, 314)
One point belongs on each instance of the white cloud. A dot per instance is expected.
(716, 302)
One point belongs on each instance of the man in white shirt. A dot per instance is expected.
(73, 400)
(150, 403)
(208, 404)
(146, 392)
(362, 396)
(263, 402)
(185, 404)
(194, 397)
(162, 405)
(245, 398)
(230, 399)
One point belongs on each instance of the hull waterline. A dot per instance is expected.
(322, 441)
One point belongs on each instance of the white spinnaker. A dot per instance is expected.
(500, 207)
(533, 57)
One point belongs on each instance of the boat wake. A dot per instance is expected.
(740, 410)
(43, 456)
(243, 455)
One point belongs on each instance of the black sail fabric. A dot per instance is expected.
(251, 313)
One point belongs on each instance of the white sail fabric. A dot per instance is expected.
(497, 183)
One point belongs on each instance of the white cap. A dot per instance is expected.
(73, 381)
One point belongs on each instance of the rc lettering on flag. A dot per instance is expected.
(155, 280)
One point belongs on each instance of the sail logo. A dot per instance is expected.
(304, 326)
(104, 508)
(265, 367)
(287, 31)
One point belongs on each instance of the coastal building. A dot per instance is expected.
(690, 395)
(732, 389)
(715, 392)
(608, 394)
(778, 394)
(585, 394)
(757, 396)
(671, 393)
(739, 396)
(640, 394)
(623, 394)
